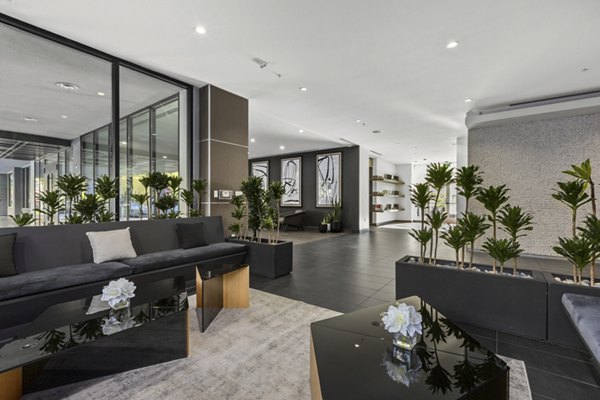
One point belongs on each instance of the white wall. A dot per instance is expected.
(363, 189)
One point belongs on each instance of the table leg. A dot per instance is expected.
(236, 286)
(11, 384)
(315, 385)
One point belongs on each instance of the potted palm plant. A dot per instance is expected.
(52, 204)
(23, 219)
(336, 217)
(267, 257)
(467, 294)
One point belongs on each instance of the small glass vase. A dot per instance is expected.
(405, 342)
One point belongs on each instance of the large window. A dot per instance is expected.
(151, 131)
(96, 155)
(25, 188)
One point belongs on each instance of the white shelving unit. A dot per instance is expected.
(388, 193)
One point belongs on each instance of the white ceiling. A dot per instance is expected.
(383, 62)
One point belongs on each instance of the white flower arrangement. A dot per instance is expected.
(402, 319)
(117, 293)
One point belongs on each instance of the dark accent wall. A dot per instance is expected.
(350, 185)
(223, 148)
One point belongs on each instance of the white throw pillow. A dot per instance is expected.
(111, 245)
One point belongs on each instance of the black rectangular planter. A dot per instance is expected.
(560, 327)
(502, 303)
(269, 260)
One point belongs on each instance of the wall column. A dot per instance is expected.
(223, 147)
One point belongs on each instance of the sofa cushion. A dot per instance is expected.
(215, 250)
(152, 261)
(111, 245)
(170, 258)
(585, 314)
(60, 277)
(191, 235)
(7, 255)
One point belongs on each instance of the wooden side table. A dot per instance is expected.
(223, 286)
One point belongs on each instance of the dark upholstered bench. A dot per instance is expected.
(584, 312)
(294, 220)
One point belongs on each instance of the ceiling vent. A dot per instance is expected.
(531, 110)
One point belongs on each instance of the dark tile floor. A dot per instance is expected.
(349, 272)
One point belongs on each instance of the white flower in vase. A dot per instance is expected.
(117, 293)
(402, 319)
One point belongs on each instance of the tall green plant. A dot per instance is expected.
(591, 231)
(106, 189)
(493, 199)
(72, 187)
(23, 219)
(423, 236)
(88, 207)
(276, 192)
(501, 250)
(435, 219)
(142, 199)
(52, 204)
(438, 176)
(255, 195)
(578, 250)
(573, 195)
(583, 172)
(188, 198)
(473, 227)
(468, 182)
(199, 186)
(421, 196)
(515, 222)
(454, 237)
(238, 213)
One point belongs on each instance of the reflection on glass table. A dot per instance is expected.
(353, 357)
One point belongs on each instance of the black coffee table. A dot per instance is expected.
(70, 342)
(352, 357)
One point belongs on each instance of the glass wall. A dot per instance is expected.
(55, 89)
(151, 131)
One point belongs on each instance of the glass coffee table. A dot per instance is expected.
(352, 357)
(77, 340)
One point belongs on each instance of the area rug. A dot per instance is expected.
(259, 353)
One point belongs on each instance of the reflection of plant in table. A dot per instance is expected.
(88, 330)
(53, 341)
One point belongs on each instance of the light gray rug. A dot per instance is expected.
(259, 353)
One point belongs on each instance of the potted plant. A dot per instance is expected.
(269, 256)
(51, 204)
(23, 219)
(324, 225)
(473, 295)
(336, 217)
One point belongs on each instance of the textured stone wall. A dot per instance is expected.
(529, 157)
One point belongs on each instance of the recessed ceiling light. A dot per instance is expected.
(164, 156)
(281, 147)
(30, 119)
(468, 100)
(67, 86)
(64, 116)
(200, 30)
(123, 142)
(358, 121)
(301, 130)
(303, 89)
(252, 140)
(154, 134)
(452, 44)
(100, 93)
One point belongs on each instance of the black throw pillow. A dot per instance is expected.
(191, 235)
(7, 255)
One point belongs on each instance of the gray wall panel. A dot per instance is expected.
(529, 158)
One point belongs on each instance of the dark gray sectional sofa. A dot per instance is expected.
(55, 263)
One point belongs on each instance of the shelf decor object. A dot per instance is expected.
(261, 169)
(329, 179)
(291, 178)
